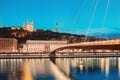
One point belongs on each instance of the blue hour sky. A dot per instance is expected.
(72, 16)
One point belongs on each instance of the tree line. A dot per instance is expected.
(22, 35)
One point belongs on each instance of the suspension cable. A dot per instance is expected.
(92, 17)
(73, 16)
(79, 16)
(105, 16)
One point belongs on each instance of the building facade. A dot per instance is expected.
(42, 46)
(8, 45)
(29, 26)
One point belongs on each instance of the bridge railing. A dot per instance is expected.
(102, 42)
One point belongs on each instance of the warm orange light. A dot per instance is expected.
(27, 74)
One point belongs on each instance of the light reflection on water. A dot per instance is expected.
(60, 69)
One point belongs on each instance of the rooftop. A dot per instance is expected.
(46, 42)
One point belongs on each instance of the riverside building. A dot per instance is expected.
(42, 46)
(8, 45)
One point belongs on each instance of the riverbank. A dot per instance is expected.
(58, 55)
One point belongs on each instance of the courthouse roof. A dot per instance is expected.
(45, 42)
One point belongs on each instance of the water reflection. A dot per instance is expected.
(60, 69)
(102, 60)
(119, 66)
(27, 73)
(107, 66)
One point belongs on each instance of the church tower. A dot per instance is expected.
(29, 26)
(56, 27)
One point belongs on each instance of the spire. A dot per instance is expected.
(32, 22)
(23, 25)
(56, 27)
(26, 22)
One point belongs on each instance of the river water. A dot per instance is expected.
(60, 69)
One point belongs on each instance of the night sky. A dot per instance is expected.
(72, 16)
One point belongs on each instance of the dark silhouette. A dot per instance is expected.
(22, 35)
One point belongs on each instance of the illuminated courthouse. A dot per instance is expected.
(8, 45)
(42, 46)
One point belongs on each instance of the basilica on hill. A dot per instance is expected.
(29, 26)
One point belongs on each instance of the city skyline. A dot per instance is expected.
(72, 16)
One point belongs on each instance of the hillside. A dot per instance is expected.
(22, 35)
